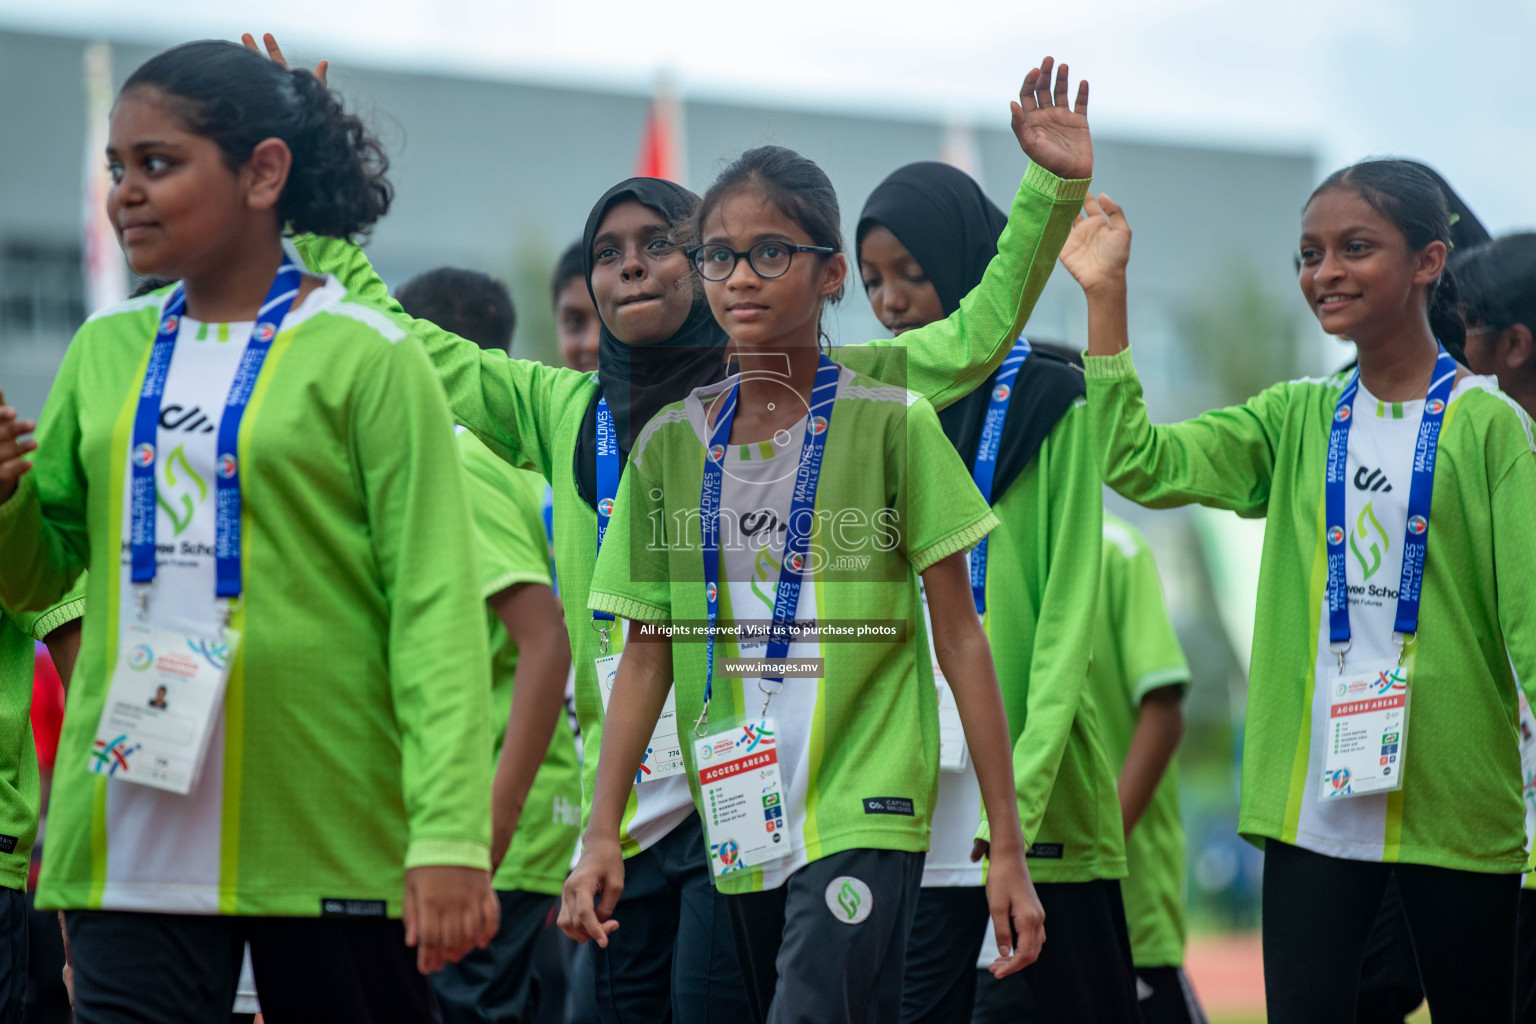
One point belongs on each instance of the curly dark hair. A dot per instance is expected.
(237, 98)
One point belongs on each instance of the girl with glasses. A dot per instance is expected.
(659, 342)
(1397, 606)
(717, 522)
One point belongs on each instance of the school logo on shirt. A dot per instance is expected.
(1417, 525)
(180, 491)
(1373, 480)
(1369, 541)
(188, 421)
(849, 899)
(1001, 393)
(144, 454)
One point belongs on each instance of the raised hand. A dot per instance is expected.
(276, 53)
(1099, 247)
(1052, 134)
(14, 445)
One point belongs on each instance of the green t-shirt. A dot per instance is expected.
(20, 787)
(1037, 593)
(1460, 804)
(1135, 651)
(510, 549)
(893, 499)
(351, 743)
(531, 415)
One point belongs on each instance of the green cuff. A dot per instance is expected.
(455, 853)
(966, 538)
(59, 615)
(1060, 189)
(1112, 367)
(1177, 675)
(627, 607)
(511, 578)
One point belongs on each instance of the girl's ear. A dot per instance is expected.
(1516, 348)
(1430, 263)
(834, 271)
(265, 173)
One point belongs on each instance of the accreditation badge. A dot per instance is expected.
(664, 751)
(165, 694)
(746, 821)
(1367, 731)
(954, 755)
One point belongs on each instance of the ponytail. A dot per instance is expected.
(1445, 316)
(236, 98)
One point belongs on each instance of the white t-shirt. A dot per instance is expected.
(152, 827)
(756, 494)
(1378, 474)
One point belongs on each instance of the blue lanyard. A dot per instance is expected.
(1420, 491)
(986, 457)
(146, 424)
(609, 468)
(802, 513)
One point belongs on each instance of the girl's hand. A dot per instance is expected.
(599, 873)
(1100, 245)
(448, 912)
(1016, 910)
(1052, 134)
(14, 444)
(276, 53)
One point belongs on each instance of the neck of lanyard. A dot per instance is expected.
(802, 514)
(146, 424)
(986, 457)
(609, 468)
(1420, 491)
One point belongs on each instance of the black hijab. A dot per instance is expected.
(638, 380)
(948, 224)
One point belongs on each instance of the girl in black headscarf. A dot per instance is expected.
(924, 239)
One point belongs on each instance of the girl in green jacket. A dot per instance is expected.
(263, 482)
(1381, 733)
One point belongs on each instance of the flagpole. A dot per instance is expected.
(106, 275)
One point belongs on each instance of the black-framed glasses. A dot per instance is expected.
(716, 261)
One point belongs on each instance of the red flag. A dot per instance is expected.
(661, 144)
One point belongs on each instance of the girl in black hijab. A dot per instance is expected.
(924, 239)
